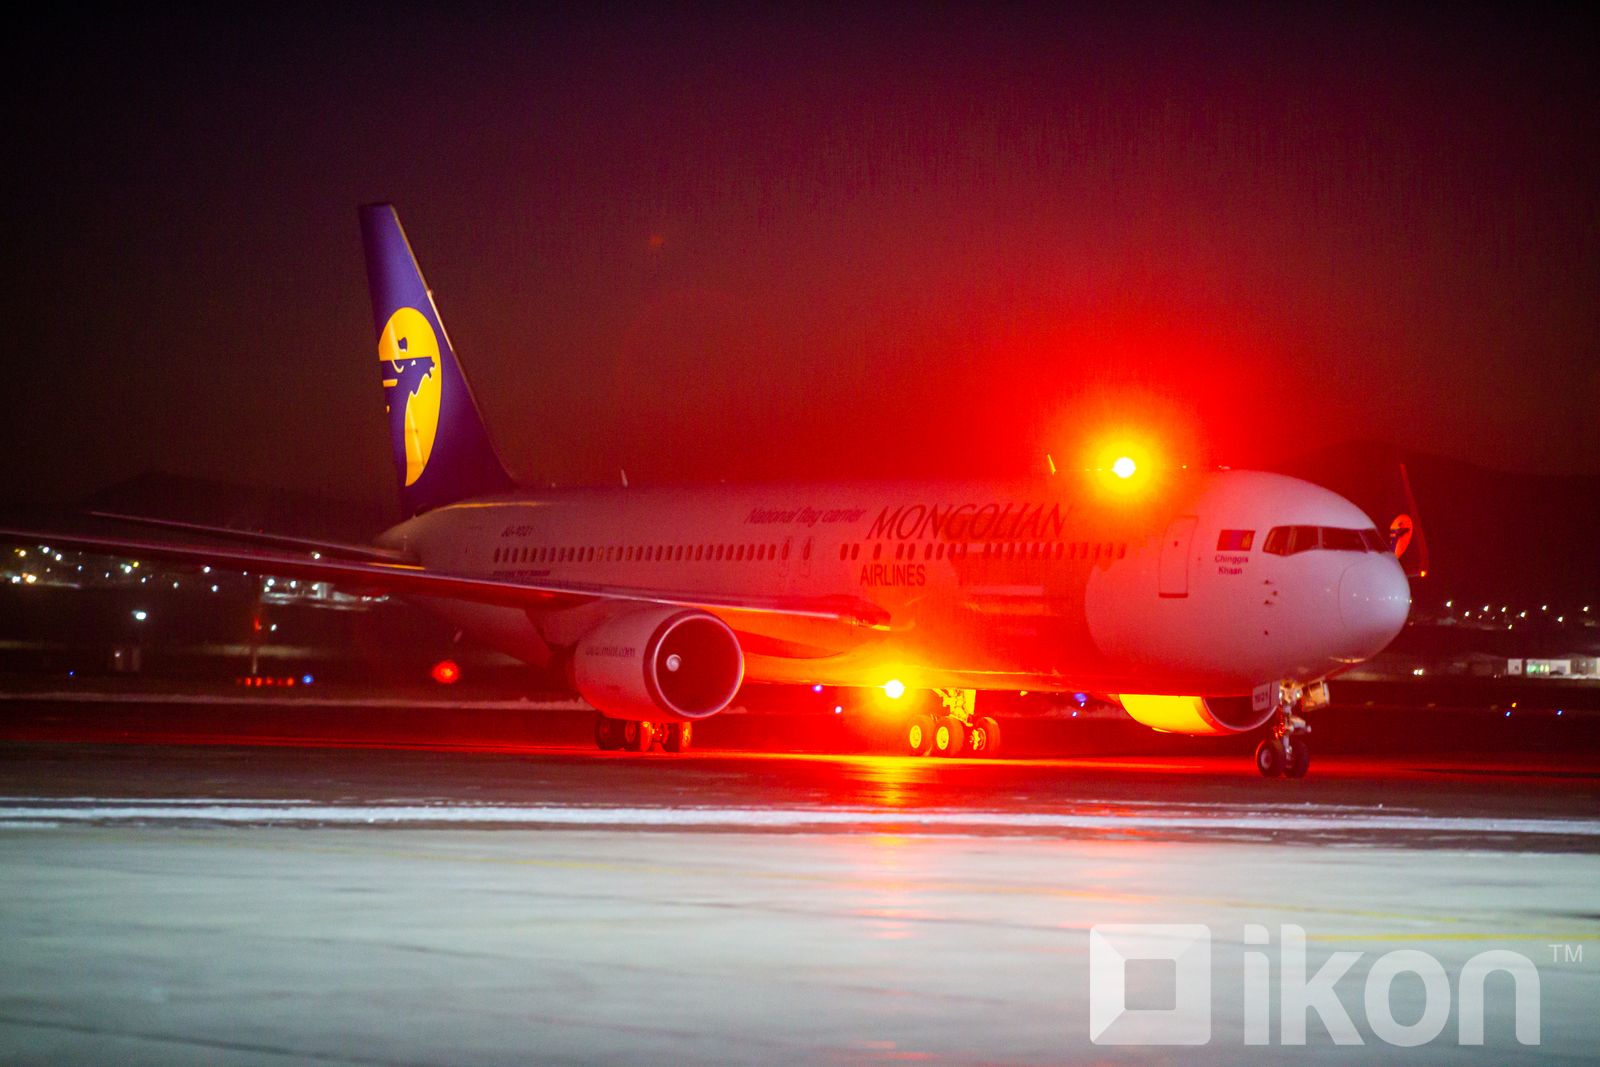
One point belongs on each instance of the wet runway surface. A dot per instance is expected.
(494, 904)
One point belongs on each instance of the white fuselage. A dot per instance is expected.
(1075, 582)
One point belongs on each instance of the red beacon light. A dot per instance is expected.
(445, 672)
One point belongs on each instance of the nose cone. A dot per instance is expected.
(1374, 600)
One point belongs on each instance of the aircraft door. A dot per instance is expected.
(1173, 579)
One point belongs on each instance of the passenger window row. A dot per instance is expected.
(724, 553)
(1291, 540)
(956, 550)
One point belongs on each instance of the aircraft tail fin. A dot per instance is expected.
(1405, 525)
(441, 447)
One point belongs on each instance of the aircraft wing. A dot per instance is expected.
(371, 553)
(411, 579)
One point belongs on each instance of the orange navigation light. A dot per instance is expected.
(894, 689)
(445, 672)
(1124, 467)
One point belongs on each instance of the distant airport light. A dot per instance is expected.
(894, 689)
(306, 679)
(838, 709)
(817, 688)
(445, 672)
(1447, 603)
(30, 578)
(205, 570)
(140, 615)
(1124, 467)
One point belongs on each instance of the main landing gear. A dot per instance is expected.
(955, 732)
(611, 735)
(1286, 751)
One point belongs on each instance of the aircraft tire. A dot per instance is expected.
(949, 736)
(608, 732)
(917, 734)
(678, 736)
(1269, 758)
(638, 736)
(984, 740)
(1299, 761)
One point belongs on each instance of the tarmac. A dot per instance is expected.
(367, 902)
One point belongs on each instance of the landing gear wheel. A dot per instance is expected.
(983, 739)
(1269, 757)
(1299, 758)
(608, 732)
(949, 736)
(677, 736)
(917, 735)
(638, 736)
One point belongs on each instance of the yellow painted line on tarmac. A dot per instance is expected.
(1558, 936)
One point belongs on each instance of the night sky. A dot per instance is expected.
(826, 244)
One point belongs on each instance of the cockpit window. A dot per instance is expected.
(1292, 540)
(1342, 540)
(1303, 539)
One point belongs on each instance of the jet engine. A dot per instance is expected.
(653, 664)
(1195, 715)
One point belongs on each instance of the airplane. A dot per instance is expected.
(1204, 602)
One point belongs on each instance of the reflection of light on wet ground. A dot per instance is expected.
(884, 872)
(890, 781)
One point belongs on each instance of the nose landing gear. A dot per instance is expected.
(1287, 750)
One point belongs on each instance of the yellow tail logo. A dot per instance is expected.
(409, 353)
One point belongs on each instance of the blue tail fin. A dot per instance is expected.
(442, 451)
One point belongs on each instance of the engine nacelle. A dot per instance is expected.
(652, 664)
(1195, 715)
